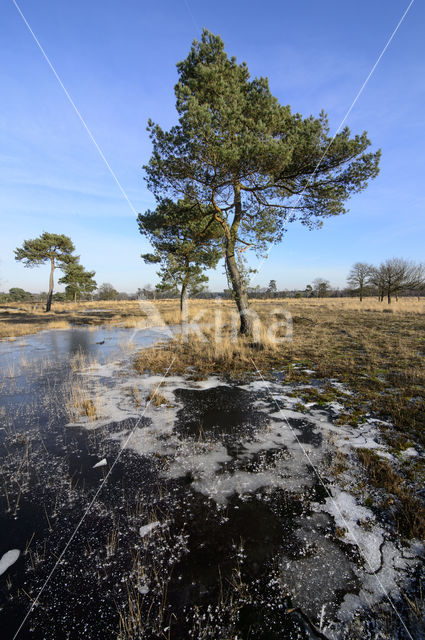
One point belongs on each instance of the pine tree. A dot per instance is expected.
(185, 243)
(49, 247)
(78, 281)
(249, 163)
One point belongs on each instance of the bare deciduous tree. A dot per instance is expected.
(396, 275)
(359, 276)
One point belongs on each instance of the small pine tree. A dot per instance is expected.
(272, 288)
(78, 281)
(51, 248)
(184, 246)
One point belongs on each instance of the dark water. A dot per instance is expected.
(207, 570)
(47, 471)
(220, 411)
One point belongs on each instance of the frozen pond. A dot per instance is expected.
(59, 346)
(221, 518)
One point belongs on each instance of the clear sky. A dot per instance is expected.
(117, 61)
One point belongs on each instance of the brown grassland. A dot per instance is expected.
(377, 351)
(17, 319)
(25, 318)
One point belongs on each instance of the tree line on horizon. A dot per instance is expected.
(394, 278)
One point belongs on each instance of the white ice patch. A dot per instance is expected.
(409, 453)
(101, 463)
(384, 583)
(336, 407)
(385, 565)
(341, 387)
(256, 385)
(222, 486)
(210, 383)
(146, 529)
(143, 589)
(359, 526)
(7, 559)
(294, 441)
(201, 459)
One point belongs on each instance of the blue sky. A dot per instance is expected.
(117, 61)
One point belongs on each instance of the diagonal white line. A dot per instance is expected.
(83, 517)
(325, 153)
(121, 188)
(350, 531)
(370, 74)
(190, 12)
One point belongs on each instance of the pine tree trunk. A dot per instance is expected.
(183, 302)
(51, 285)
(239, 292)
(240, 295)
(389, 297)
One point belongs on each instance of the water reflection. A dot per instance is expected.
(60, 345)
(79, 342)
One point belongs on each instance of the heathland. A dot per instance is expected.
(286, 467)
(376, 349)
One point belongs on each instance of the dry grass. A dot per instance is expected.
(407, 510)
(403, 305)
(9, 330)
(156, 399)
(20, 319)
(377, 355)
(201, 358)
(79, 403)
(380, 356)
(332, 336)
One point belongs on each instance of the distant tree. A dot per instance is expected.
(376, 280)
(414, 277)
(359, 277)
(250, 164)
(272, 288)
(107, 292)
(309, 291)
(397, 275)
(59, 297)
(321, 287)
(78, 281)
(183, 246)
(182, 279)
(49, 247)
(255, 292)
(19, 295)
(146, 292)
